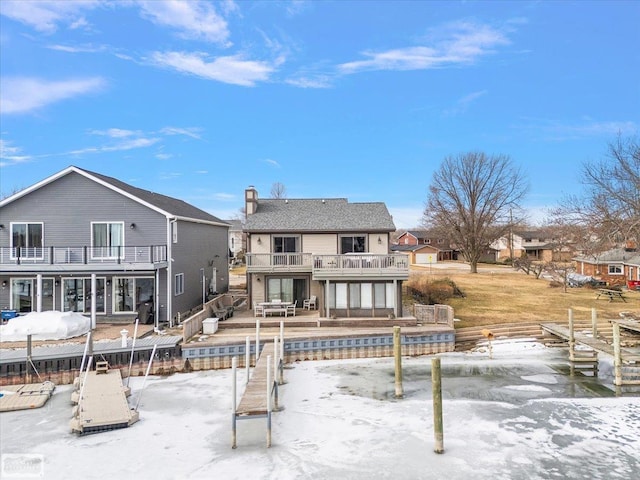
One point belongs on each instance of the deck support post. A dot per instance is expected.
(594, 323)
(281, 352)
(28, 373)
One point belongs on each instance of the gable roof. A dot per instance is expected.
(319, 215)
(168, 206)
(617, 255)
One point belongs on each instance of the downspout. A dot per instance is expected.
(169, 302)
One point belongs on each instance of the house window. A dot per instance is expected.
(361, 295)
(615, 269)
(174, 232)
(406, 240)
(130, 292)
(76, 295)
(441, 240)
(427, 241)
(107, 239)
(27, 240)
(285, 244)
(178, 288)
(353, 244)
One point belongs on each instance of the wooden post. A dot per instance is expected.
(281, 352)
(617, 355)
(257, 340)
(594, 323)
(234, 365)
(572, 340)
(247, 356)
(397, 354)
(28, 370)
(436, 387)
(268, 401)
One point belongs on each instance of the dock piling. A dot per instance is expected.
(436, 387)
(397, 354)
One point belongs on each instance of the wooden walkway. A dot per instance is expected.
(632, 325)
(254, 398)
(261, 389)
(593, 343)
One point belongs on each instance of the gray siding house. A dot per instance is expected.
(84, 242)
(330, 249)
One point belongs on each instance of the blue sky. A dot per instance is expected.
(363, 100)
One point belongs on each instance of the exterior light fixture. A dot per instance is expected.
(132, 226)
(379, 241)
(259, 241)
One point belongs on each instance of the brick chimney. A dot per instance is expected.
(250, 200)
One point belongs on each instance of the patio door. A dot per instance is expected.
(23, 294)
(287, 289)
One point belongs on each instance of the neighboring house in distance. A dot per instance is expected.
(423, 247)
(616, 267)
(236, 237)
(332, 249)
(536, 244)
(78, 232)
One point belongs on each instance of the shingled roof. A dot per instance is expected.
(167, 205)
(319, 215)
(170, 205)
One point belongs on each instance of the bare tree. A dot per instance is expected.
(610, 203)
(470, 198)
(278, 190)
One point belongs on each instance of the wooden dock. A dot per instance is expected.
(632, 325)
(260, 397)
(626, 363)
(102, 404)
(23, 397)
(254, 398)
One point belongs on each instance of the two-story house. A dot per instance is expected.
(424, 247)
(332, 249)
(84, 242)
(536, 244)
(236, 238)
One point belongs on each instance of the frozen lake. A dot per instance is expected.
(516, 416)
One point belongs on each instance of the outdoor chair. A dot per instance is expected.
(258, 310)
(309, 302)
(291, 309)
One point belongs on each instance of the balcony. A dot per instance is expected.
(83, 258)
(331, 266)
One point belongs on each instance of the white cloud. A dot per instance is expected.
(47, 15)
(115, 132)
(192, 132)
(460, 43)
(463, 103)
(193, 20)
(77, 49)
(129, 144)
(231, 69)
(321, 81)
(558, 131)
(163, 156)
(24, 94)
(272, 162)
(10, 155)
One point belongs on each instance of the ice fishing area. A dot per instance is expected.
(517, 415)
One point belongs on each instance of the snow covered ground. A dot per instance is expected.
(516, 416)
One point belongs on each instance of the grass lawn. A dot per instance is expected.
(505, 296)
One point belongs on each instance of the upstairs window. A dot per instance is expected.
(353, 244)
(27, 240)
(107, 239)
(289, 244)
